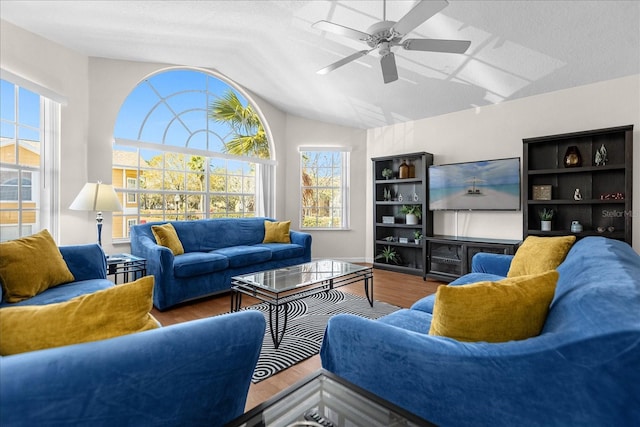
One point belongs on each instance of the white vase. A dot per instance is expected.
(412, 219)
(545, 225)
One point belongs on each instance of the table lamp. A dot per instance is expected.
(97, 197)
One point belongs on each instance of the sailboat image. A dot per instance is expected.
(474, 191)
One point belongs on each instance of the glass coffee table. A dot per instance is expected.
(281, 286)
(327, 400)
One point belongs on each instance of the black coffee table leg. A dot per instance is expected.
(368, 290)
(274, 325)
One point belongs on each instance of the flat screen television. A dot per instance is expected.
(490, 185)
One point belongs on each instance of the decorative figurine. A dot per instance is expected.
(387, 194)
(577, 195)
(601, 156)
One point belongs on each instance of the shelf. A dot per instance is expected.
(411, 244)
(380, 224)
(576, 202)
(611, 235)
(583, 169)
(417, 180)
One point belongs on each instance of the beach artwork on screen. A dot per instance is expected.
(483, 185)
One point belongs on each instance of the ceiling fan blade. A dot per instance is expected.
(389, 69)
(432, 45)
(343, 61)
(341, 30)
(420, 13)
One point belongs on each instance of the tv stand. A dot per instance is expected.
(449, 257)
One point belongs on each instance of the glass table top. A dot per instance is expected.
(296, 276)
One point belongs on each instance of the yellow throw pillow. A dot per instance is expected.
(510, 309)
(167, 236)
(120, 310)
(540, 254)
(276, 232)
(31, 265)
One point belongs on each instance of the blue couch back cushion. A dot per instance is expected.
(597, 278)
(206, 235)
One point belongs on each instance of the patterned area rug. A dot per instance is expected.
(306, 323)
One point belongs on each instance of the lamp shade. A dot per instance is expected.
(97, 197)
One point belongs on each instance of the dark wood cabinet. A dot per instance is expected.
(395, 186)
(449, 257)
(595, 193)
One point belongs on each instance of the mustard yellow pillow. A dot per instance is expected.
(276, 232)
(120, 310)
(31, 265)
(540, 254)
(167, 236)
(510, 309)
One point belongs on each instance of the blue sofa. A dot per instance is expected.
(191, 374)
(583, 369)
(215, 251)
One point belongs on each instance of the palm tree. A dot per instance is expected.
(249, 137)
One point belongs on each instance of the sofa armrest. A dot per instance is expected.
(86, 262)
(497, 264)
(546, 380)
(193, 373)
(302, 239)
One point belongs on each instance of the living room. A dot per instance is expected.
(95, 88)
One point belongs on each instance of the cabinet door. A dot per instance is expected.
(445, 259)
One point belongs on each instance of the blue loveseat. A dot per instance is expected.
(215, 250)
(583, 369)
(191, 374)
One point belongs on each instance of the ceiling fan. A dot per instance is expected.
(385, 35)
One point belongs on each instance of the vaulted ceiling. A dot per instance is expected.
(518, 49)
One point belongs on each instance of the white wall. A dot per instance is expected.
(497, 131)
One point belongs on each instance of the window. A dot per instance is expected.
(324, 184)
(189, 146)
(28, 137)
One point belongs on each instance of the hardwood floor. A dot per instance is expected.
(394, 288)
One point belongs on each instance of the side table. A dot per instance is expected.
(330, 401)
(126, 267)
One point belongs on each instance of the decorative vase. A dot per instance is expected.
(412, 219)
(572, 158)
(545, 225)
(576, 227)
(412, 170)
(403, 170)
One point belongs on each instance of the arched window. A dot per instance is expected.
(188, 145)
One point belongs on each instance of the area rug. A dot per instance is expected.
(306, 323)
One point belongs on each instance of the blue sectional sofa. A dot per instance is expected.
(191, 374)
(583, 369)
(215, 250)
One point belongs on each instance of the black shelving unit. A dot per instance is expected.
(398, 235)
(601, 210)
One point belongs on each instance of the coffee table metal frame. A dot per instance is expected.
(301, 281)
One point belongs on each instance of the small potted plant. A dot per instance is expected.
(417, 235)
(413, 213)
(387, 173)
(389, 255)
(546, 215)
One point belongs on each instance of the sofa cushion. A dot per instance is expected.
(64, 292)
(276, 232)
(511, 309)
(240, 256)
(20, 279)
(166, 236)
(108, 313)
(283, 250)
(196, 263)
(539, 254)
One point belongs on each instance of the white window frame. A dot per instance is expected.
(344, 186)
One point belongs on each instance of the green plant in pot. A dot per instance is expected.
(387, 173)
(413, 213)
(389, 255)
(546, 215)
(417, 235)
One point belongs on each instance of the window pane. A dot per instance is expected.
(29, 108)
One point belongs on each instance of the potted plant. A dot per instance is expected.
(389, 255)
(417, 235)
(546, 215)
(413, 213)
(387, 173)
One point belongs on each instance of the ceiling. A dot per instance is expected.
(518, 49)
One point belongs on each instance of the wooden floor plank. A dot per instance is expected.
(394, 288)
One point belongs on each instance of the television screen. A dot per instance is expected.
(484, 185)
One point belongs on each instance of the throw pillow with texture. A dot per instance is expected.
(276, 232)
(120, 310)
(167, 236)
(510, 309)
(31, 265)
(540, 254)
